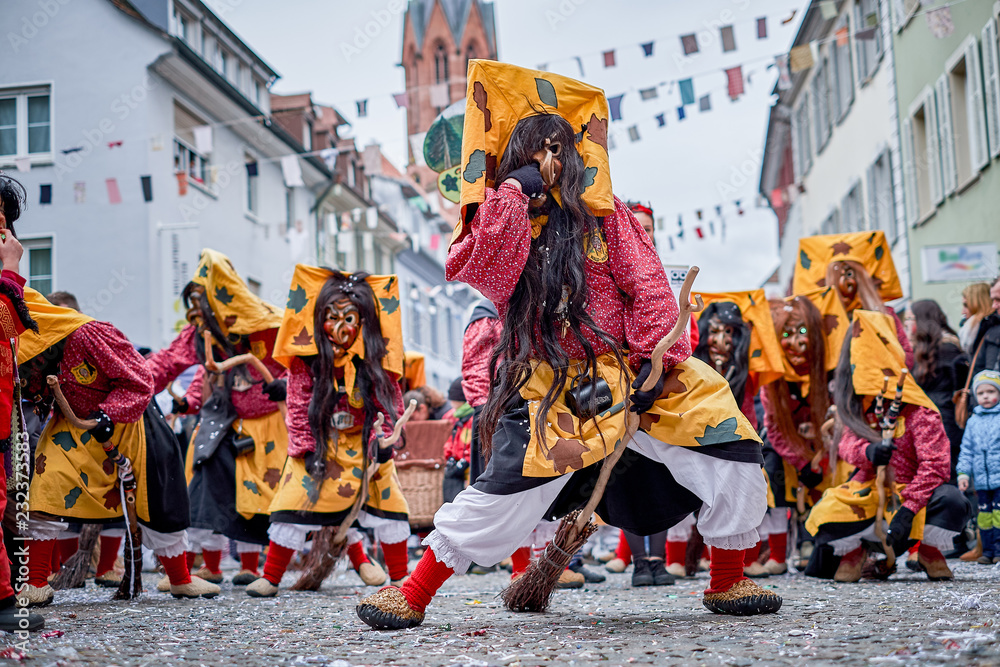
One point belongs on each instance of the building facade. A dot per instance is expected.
(949, 117)
(439, 39)
(152, 140)
(831, 157)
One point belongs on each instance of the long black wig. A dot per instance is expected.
(728, 314)
(372, 380)
(532, 328)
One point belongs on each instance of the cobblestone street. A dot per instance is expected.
(906, 621)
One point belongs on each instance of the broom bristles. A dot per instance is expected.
(74, 571)
(693, 552)
(321, 560)
(532, 591)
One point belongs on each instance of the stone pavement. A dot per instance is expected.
(904, 621)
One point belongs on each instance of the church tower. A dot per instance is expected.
(439, 38)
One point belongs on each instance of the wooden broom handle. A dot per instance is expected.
(249, 358)
(632, 419)
(76, 422)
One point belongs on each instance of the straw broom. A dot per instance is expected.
(74, 571)
(532, 591)
(131, 585)
(888, 432)
(329, 544)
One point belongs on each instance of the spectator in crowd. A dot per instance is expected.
(940, 366)
(437, 405)
(975, 307)
(64, 299)
(422, 413)
(986, 348)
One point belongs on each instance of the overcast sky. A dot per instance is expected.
(708, 159)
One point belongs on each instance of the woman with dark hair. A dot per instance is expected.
(343, 349)
(940, 367)
(575, 279)
(920, 504)
(238, 451)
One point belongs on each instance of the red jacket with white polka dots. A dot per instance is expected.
(101, 370)
(630, 298)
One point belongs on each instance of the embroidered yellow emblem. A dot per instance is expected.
(84, 373)
(259, 349)
(597, 248)
(355, 399)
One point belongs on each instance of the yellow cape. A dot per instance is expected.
(296, 337)
(237, 309)
(870, 249)
(499, 95)
(413, 369)
(875, 354)
(54, 324)
(766, 357)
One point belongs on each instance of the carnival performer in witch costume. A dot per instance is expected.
(859, 267)
(342, 341)
(103, 378)
(575, 280)
(912, 447)
(240, 446)
(796, 406)
(736, 337)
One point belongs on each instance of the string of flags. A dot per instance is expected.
(702, 227)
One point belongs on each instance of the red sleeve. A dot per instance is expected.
(477, 347)
(779, 442)
(174, 359)
(852, 448)
(195, 392)
(492, 256)
(903, 340)
(131, 383)
(652, 310)
(933, 448)
(299, 393)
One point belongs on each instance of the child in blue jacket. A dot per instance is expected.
(980, 459)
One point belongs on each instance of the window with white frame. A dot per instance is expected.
(225, 63)
(881, 202)
(38, 252)
(26, 123)
(991, 85)
(186, 158)
(257, 92)
(821, 104)
(921, 150)
(843, 76)
(802, 137)
(852, 215)
(962, 114)
(831, 225)
(251, 170)
(182, 25)
(868, 52)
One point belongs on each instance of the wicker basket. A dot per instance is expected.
(422, 490)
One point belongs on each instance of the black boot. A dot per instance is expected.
(642, 573)
(660, 575)
(13, 618)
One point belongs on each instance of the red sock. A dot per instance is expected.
(676, 552)
(250, 560)
(109, 554)
(177, 569)
(356, 552)
(189, 557)
(57, 560)
(778, 542)
(396, 559)
(212, 560)
(278, 558)
(726, 570)
(519, 561)
(425, 580)
(623, 552)
(40, 561)
(929, 552)
(914, 548)
(750, 555)
(68, 547)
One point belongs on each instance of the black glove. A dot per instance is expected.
(383, 455)
(530, 179)
(316, 463)
(810, 477)
(276, 390)
(899, 530)
(180, 407)
(643, 400)
(879, 454)
(105, 427)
